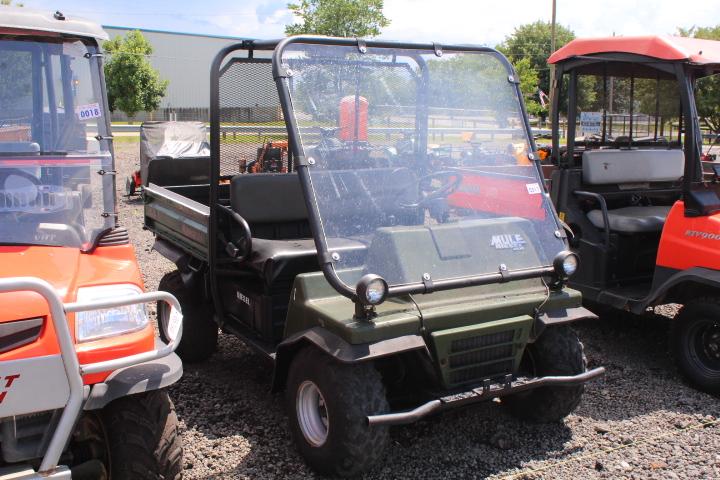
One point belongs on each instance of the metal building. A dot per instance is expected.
(184, 59)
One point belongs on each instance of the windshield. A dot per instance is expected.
(419, 163)
(52, 124)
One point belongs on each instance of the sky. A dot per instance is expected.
(445, 21)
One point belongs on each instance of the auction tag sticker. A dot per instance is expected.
(533, 188)
(89, 111)
(174, 323)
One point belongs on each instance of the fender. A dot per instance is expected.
(699, 275)
(339, 349)
(139, 378)
(559, 317)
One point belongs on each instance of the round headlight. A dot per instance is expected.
(566, 264)
(372, 289)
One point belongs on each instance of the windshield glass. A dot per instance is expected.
(419, 163)
(51, 147)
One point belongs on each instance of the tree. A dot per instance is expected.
(529, 80)
(532, 42)
(9, 3)
(340, 18)
(133, 85)
(707, 96)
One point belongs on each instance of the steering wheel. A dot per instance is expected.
(7, 173)
(451, 182)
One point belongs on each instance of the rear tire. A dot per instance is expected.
(200, 333)
(558, 351)
(327, 405)
(695, 341)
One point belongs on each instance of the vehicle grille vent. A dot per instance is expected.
(472, 343)
(485, 356)
(19, 333)
(481, 372)
(481, 356)
(116, 236)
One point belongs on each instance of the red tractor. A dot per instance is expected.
(629, 183)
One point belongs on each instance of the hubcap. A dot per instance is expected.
(707, 344)
(312, 413)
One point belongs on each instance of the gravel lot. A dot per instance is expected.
(640, 421)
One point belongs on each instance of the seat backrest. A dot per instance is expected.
(616, 166)
(177, 171)
(271, 203)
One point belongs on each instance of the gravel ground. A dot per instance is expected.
(639, 421)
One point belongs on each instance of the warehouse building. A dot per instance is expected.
(184, 59)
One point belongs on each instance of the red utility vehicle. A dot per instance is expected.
(629, 183)
(81, 370)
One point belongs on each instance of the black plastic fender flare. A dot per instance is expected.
(701, 275)
(140, 378)
(339, 349)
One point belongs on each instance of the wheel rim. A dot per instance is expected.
(706, 344)
(312, 413)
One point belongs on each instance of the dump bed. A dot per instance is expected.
(173, 215)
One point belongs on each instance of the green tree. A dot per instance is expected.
(133, 85)
(529, 80)
(532, 42)
(9, 3)
(340, 18)
(707, 96)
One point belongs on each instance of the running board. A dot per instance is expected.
(487, 391)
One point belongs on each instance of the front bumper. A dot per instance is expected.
(487, 391)
(27, 473)
(131, 374)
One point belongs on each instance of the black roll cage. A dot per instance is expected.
(282, 76)
(685, 73)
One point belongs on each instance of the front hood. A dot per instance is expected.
(57, 265)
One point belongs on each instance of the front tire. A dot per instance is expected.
(132, 438)
(558, 351)
(696, 343)
(200, 333)
(327, 405)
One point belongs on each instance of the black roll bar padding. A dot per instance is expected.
(555, 118)
(247, 234)
(571, 117)
(603, 208)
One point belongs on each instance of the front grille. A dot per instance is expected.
(482, 341)
(481, 356)
(481, 372)
(19, 333)
(477, 358)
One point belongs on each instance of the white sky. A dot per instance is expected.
(445, 21)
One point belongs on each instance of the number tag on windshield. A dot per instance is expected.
(87, 112)
(174, 323)
(533, 188)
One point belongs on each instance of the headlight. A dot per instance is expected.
(566, 264)
(96, 324)
(371, 289)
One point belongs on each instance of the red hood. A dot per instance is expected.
(57, 265)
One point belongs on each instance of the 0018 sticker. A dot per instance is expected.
(87, 112)
(533, 188)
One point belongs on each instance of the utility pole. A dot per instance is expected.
(552, 67)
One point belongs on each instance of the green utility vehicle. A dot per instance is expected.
(403, 257)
